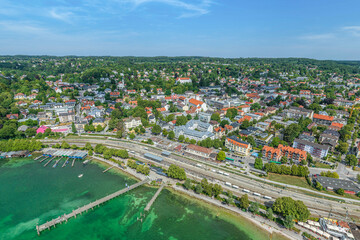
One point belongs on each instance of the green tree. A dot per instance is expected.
(251, 140)
(107, 153)
(156, 130)
(90, 152)
(181, 120)
(283, 160)
(215, 117)
(342, 147)
(30, 132)
(99, 128)
(258, 163)
(351, 160)
(318, 186)
(244, 201)
(176, 172)
(288, 221)
(340, 191)
(231, 113)
(65, 145)
(73, 128)
(171, 135)
(254, 207)
(221, 156)
(275, 142)
(217, 190)
(88, 146)
(187, 183)
(291, 132)
(132, 136)
(288, 206)
(245, 124)
(224, 122)
(181, 138)
(270, 214)
(198, 189)
(330, 174)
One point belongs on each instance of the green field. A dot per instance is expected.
(292, 180)
(322, 165)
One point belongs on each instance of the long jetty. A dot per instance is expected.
(43, 159)
(64, 164)
(37, 158)
(73, 162)
(56, 162)
(148, 206)
(48, 161)
(108, 169)
(80, 210)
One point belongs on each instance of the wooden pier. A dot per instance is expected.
(64, 164)
(108, 169)
(43, 159)
(56, 162)
(73, 163)
(80, 210)
(49, 161)
(148, 206)
(37, 158)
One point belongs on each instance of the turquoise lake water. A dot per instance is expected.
(31, 194)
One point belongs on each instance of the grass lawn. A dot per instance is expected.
(292, 180)
(322, 165)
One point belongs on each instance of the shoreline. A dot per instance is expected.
(234, 211)
(215, 204)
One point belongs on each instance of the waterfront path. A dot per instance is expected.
(148, 206)
(74, 213)
(263, 223)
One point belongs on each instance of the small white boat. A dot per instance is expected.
(80, 175)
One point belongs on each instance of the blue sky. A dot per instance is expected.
(321, 29)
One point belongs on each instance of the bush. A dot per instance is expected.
(340, 191)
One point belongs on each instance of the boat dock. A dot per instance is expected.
(49, 161)
(80, 210)
(38, 157)
(43, 159)
(73, 162)
(64, 164)
(148, 206)
(108, 169)
(56, 162)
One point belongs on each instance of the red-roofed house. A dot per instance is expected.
(336, 126)
(183, 80)
(322, 119)
(196, 103)
(12, 116)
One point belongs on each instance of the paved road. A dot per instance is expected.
(321, 206)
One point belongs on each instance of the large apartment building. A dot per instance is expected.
(275, 154)
(323, 119)
(316, 150)
(237, 145)
(131, 122)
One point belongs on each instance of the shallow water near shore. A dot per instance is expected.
(32, 194)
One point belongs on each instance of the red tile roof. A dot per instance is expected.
(323, 117)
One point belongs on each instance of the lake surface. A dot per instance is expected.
(31, 194)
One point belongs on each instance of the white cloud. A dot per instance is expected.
(191, 9)
(22, 27)
(61, 15)
(355, 30)
(324, 36)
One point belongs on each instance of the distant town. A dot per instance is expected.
(278, 138)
